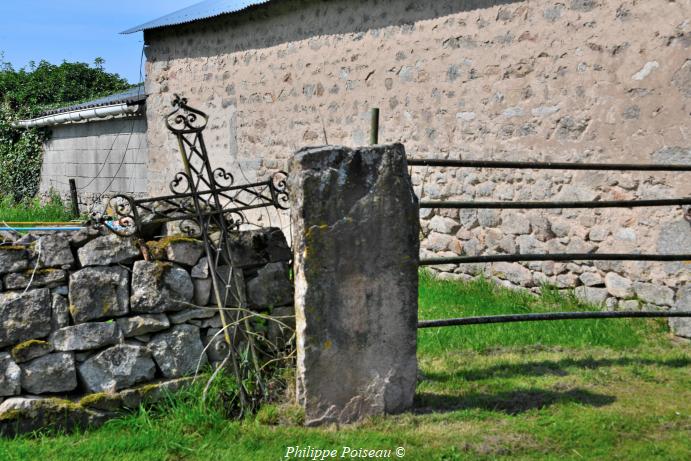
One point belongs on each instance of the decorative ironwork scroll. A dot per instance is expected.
(198, 193)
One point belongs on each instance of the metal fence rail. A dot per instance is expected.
(447, 204)
(546, 165)
(511, 318)
(561, 204)
(554, 257)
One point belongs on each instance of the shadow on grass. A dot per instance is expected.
(512, 403)
(549, 367)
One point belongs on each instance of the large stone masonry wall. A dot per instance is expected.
(101, 155)
(571, 80)
(87, 325)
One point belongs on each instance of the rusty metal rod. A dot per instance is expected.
(547, 316)
(554, 257)
(74, 199)
(374, 126)
(538, 205)
(546, 165)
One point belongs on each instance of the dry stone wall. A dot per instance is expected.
(85, 314)
(571, 80)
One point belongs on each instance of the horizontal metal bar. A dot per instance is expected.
(546, 165)
(537, 205)
(145, 201)
(554, 257)
(194, 216)
(547, 316)
(36, 229)
(41, 223)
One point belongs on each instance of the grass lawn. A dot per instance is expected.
(53, 210)
(586, 389)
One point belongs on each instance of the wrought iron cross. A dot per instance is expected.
(208, 206)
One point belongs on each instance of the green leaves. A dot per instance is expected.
(46, 85)
(20, 158)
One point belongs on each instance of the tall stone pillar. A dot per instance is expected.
(356, 245)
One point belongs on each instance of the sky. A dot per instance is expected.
(79, 30)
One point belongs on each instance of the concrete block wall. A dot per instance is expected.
(102, 156)
(570, 80)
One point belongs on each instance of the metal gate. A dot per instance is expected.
(418, 162)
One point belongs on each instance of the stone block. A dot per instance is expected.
(98, 293)
(86, 336)
(60, 313)
(654, 294)
(515, 223)
(629, 305)
(160, 287)
(13, 258)
(578, 245)
(142, 324)
(259, 247)
(24, 316)
(201, 269)
(590, 295)
(202, 291)
(528, 244)
(444, 225)
(356, 247)
(618, 286)
(117, 368)
(513, 272)
(271, 287)
(192, 314)
(56, 251)
(591, 279)
(78, 239)
(674, 238)
(50, 373)
(20, 415)
(438, 242)
(10, 376)
(682, 326)
(38, 278)
(177, 249)
(31, 349)
(107, 250)
(489, 218)
(598, 233)
(566, 280)
(178, 352)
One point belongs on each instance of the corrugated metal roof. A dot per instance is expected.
(132, 96)
(203, 10)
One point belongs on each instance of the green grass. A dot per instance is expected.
(441, 299)
(33, 210)
(617, 389)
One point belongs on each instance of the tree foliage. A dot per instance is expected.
(26, 93)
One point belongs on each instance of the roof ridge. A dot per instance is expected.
(133, 95)
(202, 10)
